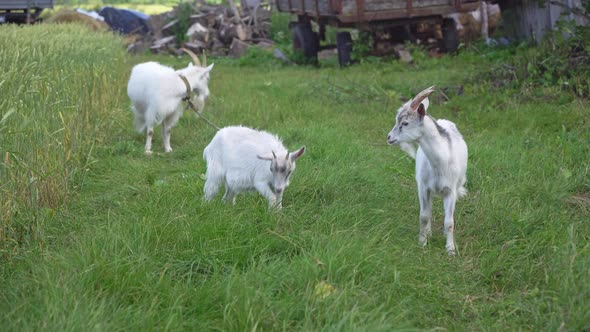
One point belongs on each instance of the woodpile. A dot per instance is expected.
(217, 29)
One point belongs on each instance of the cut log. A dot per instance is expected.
(218, 48)
(205, 19)
(157, 22)
(198, 32)
(265, 44)
(228, 32)
(196, 46)
(167, 29)
(162, 43)
(238, 48)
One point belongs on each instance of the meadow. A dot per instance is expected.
(95, 235)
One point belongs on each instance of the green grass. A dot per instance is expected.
(122, 241)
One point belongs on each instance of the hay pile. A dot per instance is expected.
(70, 16)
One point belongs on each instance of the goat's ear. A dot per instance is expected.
(206, 71)
(426, 103)
(297, 154)
(267, 156)
(421, 111)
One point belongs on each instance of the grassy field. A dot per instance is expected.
(97, 236)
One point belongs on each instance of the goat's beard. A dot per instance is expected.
(199, 103)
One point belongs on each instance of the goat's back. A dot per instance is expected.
(453, 173)
(238, 145)
(147, 79)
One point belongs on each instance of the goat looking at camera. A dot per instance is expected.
(441, 161)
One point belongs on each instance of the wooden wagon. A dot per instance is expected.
(370, 16)
(22, 11)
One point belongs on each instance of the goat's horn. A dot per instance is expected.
(274, 155)
(288, 154)
(204, 58)
(420, 97)
(193, 55)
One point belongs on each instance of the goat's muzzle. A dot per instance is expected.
(391, 141)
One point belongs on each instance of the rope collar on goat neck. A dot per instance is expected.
(188, 88)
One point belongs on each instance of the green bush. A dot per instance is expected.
(184, 10)
(561, 60)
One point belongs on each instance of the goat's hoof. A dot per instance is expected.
(423, 241)
(148, 152)
(168, 150)
(451, 252)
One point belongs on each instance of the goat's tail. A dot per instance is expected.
(215, 172)
(462, 190)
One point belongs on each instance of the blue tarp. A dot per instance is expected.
(125, 21)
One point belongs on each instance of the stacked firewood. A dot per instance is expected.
(216, 29)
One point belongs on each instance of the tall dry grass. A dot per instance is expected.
(57, 97)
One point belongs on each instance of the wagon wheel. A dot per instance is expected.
(344, 46)
(306, 40)
(450, 41)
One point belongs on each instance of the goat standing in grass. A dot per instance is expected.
(157, 92)
(441, 161)
(245, 159)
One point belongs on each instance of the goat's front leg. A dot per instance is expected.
(166, 130)
(264, 189)
(449, 200)
(425, 197)
(148, 141)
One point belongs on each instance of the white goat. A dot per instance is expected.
(246, 159)
(441, 161)
(157, 92)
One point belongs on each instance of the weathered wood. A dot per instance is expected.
(238, 48)
(196, 46)
(228, 32)
(198, 32)
(528, 20)
(214, 28)
(162, 43)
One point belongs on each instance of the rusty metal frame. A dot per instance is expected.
(360, 6)
(402, 13)
(317, 9)
(410, 11)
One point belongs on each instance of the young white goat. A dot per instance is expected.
(246, 159)
(157, 92)
(441, 161)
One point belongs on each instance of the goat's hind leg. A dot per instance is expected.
(149, 133)
(213, 182)
(425, 197)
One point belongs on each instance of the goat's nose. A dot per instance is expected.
(389, 137)
(279, 190)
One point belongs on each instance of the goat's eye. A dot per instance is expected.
(404, 123)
